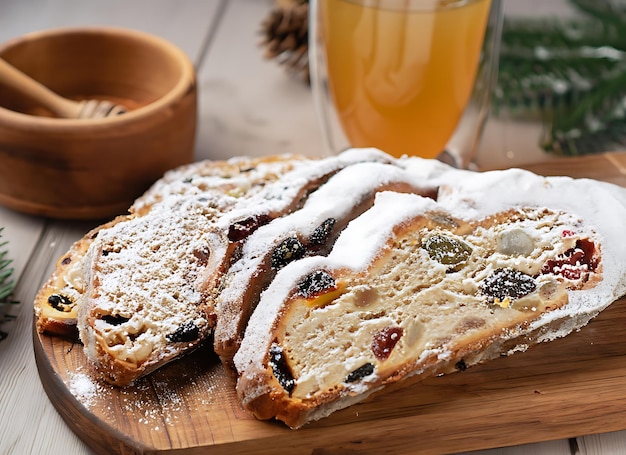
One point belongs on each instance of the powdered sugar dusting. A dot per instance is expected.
(145, 269)
(160, 401)
(84, 388)
(235, 177)
(142, 272)
(468, 196)
(351, 250)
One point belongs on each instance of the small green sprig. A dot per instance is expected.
(7, 285)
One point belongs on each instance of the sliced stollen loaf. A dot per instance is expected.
(311, 230)
(414, 288)
(149, 295)
(57, 301)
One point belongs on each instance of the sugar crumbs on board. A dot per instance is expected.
(84, 388)
(137, 399)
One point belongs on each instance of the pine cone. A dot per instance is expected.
(286, 35)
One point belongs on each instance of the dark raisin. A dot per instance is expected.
(446, 250)
(239, 230)
(281, 369)
(66, 260)
(385, 340)
(188, 180)
(60, 303)
(461, 365)
(188, 331)
(322, 232)
(508, 282)
(114, 320)
(106, 252)
(360, 373)
(316, 283)
(289, 250)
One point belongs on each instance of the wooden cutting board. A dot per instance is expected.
(567, 388)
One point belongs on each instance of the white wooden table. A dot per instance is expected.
(248, 106)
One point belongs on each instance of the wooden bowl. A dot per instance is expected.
(85, 168)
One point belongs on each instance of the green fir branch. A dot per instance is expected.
(7, 285)
(607, 11)
(569, 74)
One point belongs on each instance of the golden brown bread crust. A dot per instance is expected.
(130, 325)
(264, 393)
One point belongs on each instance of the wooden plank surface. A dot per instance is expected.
(249, 105)
(29, 424)
(23, 402)
(187, 27)
(556, 390)
(610, 167)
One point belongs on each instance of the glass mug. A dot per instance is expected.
(410, 77)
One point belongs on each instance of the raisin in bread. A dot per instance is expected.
(57, 301)
(148, 298)
(415, 288)
(311, 230)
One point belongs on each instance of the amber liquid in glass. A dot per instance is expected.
(400, 80)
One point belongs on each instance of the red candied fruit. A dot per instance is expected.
(385, 340)
(570, 264)
(241, 229)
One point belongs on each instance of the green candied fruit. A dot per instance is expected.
(447, 250)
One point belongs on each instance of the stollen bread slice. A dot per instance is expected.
(57, 301)
(308, 231)
(237, 177)
(415, 288)
(149, 298)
